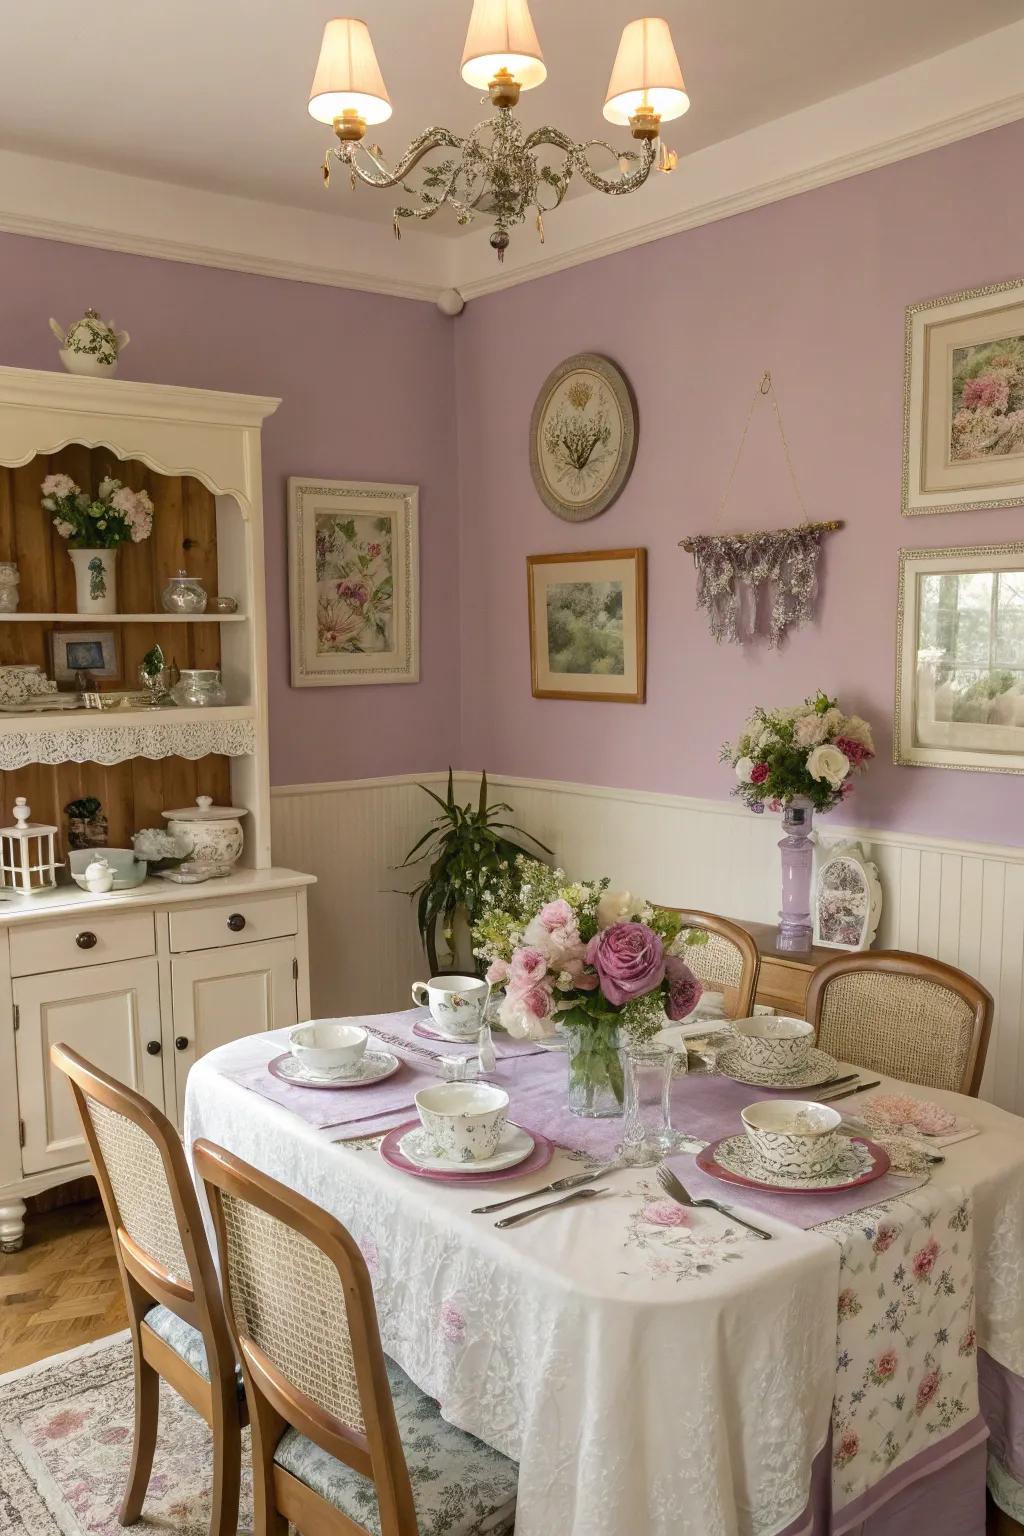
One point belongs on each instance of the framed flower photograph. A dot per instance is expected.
(960, 666)
(84, 650)
(588, 625)
(847, 897)
(963, 416)
(583, 436)
(353, 566)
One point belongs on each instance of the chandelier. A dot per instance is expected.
(497, 171)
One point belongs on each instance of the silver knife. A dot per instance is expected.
(570, 1181)
(826, 1098)
(538, 1210)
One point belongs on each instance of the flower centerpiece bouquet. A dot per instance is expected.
(600, 966)
(94, 527)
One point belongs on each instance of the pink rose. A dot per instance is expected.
(885, 1237)
(556, 914)
(453, 1324)
(684, 990)
(497, 973)
(629, 959)
(848, 1447)
(885, 1365)
(968, 1342)
(924, 1261)
(665, 1213)
(927, 1390)
(759, 773)
(537, 1001)
(528, 965)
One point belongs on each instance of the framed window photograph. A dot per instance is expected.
(84, 650)
(588, 625)
(963, 415)
(353, 566)
(960, 666)
(847, 897)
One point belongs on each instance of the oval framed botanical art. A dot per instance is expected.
(583, 436)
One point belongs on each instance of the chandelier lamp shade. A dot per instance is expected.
(497, 171)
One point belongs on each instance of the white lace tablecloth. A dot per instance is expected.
(657, 1378)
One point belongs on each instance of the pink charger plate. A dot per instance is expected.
(543, 1151)
(880, 1166)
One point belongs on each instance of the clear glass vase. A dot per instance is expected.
(648, 1135)
(596, 1077)
(797, 846)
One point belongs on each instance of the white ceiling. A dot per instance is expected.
(211, 93)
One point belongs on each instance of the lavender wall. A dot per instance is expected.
(367, 391)
(813, 288)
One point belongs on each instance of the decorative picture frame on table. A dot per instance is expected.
(84, 650)
(583, 437)
(588, 625)
(960, 659)
(353, 573)
(963, 413)
(847, 897)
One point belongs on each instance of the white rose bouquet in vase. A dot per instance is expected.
(94, 527)
(798, 760)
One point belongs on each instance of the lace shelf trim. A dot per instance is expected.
(118, 743)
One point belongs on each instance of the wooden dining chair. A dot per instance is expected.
(905, 1015)
(175, 1312)
(343, 1443)
(728, 962)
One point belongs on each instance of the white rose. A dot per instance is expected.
(744, 768)
(614, 907)
(829, 764)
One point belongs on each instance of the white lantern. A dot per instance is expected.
(27, 862)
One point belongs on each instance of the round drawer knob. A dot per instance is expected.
(181, 1042)
(85, 940)
(236, 922)
(153, 1047)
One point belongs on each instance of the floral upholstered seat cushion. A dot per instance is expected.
(460, 1486)
(186, 1341)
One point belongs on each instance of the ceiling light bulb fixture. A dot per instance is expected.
(498, 171)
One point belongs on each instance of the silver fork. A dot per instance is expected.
(671, 1185)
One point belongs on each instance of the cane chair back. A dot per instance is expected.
(729, 962)
(905, 1015)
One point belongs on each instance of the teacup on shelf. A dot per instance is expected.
(794, 1137)
(328, 1046)
(463, 1120)
(455, 1003)
(774, 1045)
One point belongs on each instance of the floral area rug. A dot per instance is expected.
(66, 1428)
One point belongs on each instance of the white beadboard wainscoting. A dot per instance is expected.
(961, 902)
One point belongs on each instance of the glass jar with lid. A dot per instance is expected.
(199, 687)
(184, 594)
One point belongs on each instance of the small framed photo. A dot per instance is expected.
(588, 625)
(85, 650)
(963, 415)
(847, 897)
(960, 659)
(353, 566)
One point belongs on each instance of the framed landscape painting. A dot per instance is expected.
(588, 625)
(963, 419)
(353, 559)
(960, 677)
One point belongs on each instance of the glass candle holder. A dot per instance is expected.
(648, 1134)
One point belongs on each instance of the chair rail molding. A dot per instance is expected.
(962, 902)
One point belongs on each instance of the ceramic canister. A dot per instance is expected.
(213, 832)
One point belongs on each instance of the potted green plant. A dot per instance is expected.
(468, 855)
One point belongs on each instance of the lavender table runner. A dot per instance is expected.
(797, 1207)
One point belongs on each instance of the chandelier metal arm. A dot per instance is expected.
(576, 154)
(431, 138)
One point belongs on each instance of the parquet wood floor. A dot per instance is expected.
(62, 1289)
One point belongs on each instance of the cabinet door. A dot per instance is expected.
(108, 1013)
(221, 994)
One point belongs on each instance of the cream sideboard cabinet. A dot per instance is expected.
(142, 984)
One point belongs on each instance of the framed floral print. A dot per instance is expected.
(588, 625)
(963, 414)
(960, 664)
(847, 897)
(353, 566)
(583, 436)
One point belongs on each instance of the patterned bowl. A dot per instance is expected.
(328, 1045)
(773, 1044)
(794, 1137)
(463, 1120)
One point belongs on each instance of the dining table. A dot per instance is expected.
(657, 1370)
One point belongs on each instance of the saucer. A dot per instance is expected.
(519, 1152)
(374, 1067)
(815, 1073)
(429, 1032)
(735, 1160)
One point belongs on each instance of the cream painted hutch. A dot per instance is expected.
(143, 981)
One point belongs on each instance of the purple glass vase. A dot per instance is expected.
(795, 929)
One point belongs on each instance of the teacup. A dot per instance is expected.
(773, 1044)
(794, 1137)
(328, 1045)
(463, 1120)
(455, 1003)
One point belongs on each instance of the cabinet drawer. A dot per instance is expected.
(92, 939)
(240, 920)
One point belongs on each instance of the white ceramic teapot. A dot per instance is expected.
(90, 346)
